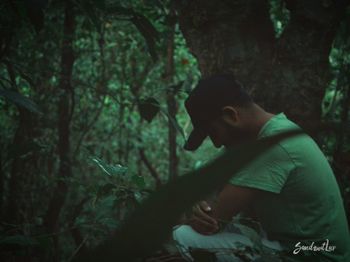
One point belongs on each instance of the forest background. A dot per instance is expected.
(91, 102)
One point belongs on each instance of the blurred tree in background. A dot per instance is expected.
(91, 100)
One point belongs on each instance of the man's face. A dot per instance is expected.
(224, 134)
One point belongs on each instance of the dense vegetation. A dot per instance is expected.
(92, 115)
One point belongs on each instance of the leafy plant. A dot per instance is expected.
(111, 170)
(133, 239)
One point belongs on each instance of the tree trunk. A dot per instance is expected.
(287, 74)
(74, 230)
(24, 134)
(19, 165)
(2, 186)
(64, 111)
(171, 101)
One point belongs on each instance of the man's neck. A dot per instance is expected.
(259, 117)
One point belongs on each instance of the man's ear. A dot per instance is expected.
(230, 115)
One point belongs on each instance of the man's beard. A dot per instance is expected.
(238, 136)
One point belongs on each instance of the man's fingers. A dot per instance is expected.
(204, 224)
(198, 212)
(201, 221)
(202, 227)
(205, 206)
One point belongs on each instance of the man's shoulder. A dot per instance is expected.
(276, 125)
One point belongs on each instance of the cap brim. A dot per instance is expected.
(195, 139)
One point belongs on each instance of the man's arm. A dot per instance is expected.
(231, 200)
(234, 199)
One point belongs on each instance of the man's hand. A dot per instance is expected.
(201, 221)
(231, 200)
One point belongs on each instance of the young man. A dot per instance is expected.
(291, 187)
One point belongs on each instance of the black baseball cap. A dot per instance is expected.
(205, 102)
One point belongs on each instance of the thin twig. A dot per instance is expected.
(78, 248)
(150, 168)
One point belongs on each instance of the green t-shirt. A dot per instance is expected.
(304, 204)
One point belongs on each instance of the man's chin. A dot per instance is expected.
(235, 144)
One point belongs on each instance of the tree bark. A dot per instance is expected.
(18, 167)
(24, 133)
(64, 111)
(2, 188)
(75, 232)
(287, 74)
(171, 101)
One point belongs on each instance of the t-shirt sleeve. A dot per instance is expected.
(268, 172)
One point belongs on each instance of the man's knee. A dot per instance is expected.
(187, 238)
(184, 235)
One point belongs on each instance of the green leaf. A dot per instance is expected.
(110, 170)
(148, 31)
(148, 108)
(157, 214)
(138, 197)
(198, 164)
(139, 181)
(20, 100)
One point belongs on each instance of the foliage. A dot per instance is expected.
(113, 71)
(117, 111)
(279, 16)
(133, 241)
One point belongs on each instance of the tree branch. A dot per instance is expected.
(150, 168)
